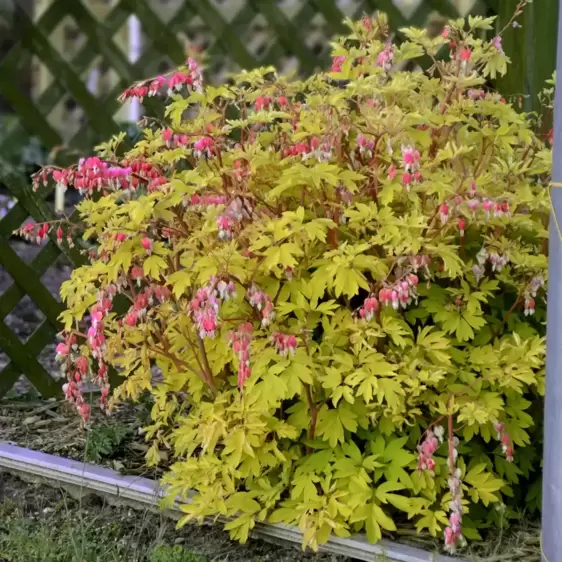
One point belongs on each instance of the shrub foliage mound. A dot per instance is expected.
(341, 280)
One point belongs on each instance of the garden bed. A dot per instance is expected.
(115, 442)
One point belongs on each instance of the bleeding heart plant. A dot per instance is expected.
(325, 271)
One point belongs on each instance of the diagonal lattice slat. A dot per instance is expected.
(83, 59)
(27, 282)
(37, 43)
(225, 34)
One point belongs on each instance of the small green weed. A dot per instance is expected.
(105, 441)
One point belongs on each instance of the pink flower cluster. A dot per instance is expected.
(96, 336)
(146, 243)
(226, 290)
(465, 54)
(498, 261)
(476, 94)
(200, 202)
(144, 89)
(240, 341)
(284, 343)
(261, 301)
(505, 440)
(367, 23)
(65, 348)
(144, 300)
(93, 174)
(205, 305)
(418, 262)
(192, 78)
(411, 165)
(173, 140)
(444, 213)
(497, 43)
(137, 274)
(299, 149)
(78, 367)
(497, 208)
(262, 102)
(241, 170)
(386, 57)
(225, 227)
(401, 294)
(427, 447)
(337, 63)
(365, 145)
(529, 306)
(369, 308)
(177, 82)
(144, 172)
(321, 150)
(453, 533)
(39, 233)
(530, 294)
(204, 147)
(73, 394)
(410, 158)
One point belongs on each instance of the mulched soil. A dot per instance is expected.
(54, 427)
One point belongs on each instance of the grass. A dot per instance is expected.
(39, 523)
(64, 530)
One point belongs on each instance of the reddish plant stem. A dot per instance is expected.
(208, 371)
(450, 434)
(179, 364)
(430, 426)
(508, 315)
(313, 412)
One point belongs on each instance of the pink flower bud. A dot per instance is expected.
(131, 319)
(62, 349)
(444, 213)
(465, 54)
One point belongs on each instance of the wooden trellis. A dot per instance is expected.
(291, 33)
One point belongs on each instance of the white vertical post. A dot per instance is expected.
(135, 50)
(552, 458)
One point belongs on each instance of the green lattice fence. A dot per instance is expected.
(233, 33)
